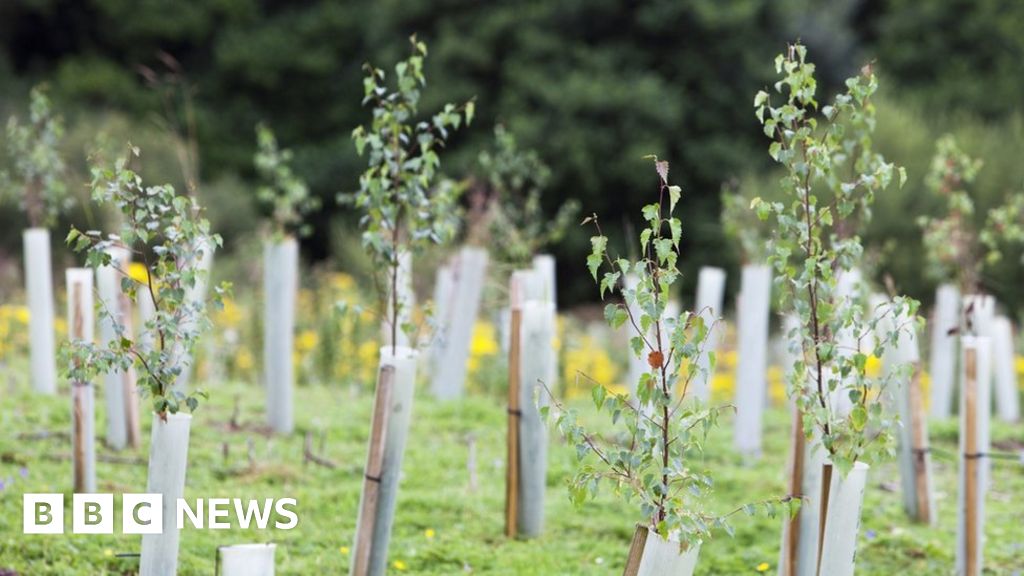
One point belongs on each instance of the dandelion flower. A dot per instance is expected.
(763, 567)
(399, 565)
(429, 533)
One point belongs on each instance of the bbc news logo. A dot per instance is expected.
(144, 513)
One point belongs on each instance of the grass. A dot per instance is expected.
(442, 527)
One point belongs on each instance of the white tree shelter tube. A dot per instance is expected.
(800, 535)
(842, 521)
(468, 273)
(914, 452)
(1007, 400)
(544, 266)
(280, 288)
(246, 560)
(168, 461)
(849, 287)
(39, 291)
(406, 303)
(83, 412)
(399, 417)
(444, 293)
(147, 313)
(537, 340)
(753, 307)
(710, 295)
(975, 396)
(195, 296)
(942, 363)
(119, 387)
(652, 555)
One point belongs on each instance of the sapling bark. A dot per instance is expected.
(288, 200)
(36, 179)
(168, 234)
(662, 427)
(403, 213)
(832, 175)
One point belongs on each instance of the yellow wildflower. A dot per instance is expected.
(343, 550)
(137, 271)
(429, 533)
(21, 314)
(244, 360)
(763, 567)
(306, 341)
(483, 345)
(399, 565)
(587, 357)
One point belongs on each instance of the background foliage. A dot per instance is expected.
(592, 86)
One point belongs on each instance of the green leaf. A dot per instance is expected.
(674, 192)
(858, 417)
(598, 244)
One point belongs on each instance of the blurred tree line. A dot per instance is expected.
(592, 85)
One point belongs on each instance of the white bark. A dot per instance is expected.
(39, 292)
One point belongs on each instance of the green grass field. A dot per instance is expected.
(442, 527)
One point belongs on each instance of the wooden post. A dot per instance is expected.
(826, 485)
(379, 519)
(374, 468)
(514, 412)
(80, 329)
(791, 545)
(920, 446)
(975, 413)
(970, 460)
(121, 394)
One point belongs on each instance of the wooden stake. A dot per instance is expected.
(796, 482)
(826, 487)
(919, 446)
(971, 461)
(374, 469)
(133, 429)
(636, 551)
(77, 410)
(512, 469)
